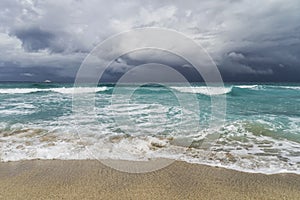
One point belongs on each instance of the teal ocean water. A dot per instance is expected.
(261, 132)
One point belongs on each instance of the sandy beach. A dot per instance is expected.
(90, 179)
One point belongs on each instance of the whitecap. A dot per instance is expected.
(209, 91)
(62, 90)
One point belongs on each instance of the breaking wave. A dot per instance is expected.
(209, 91)
(62, 90)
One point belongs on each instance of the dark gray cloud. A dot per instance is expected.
(34, 39)
(136, 58)
(248, 40)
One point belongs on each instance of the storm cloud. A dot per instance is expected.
(248, 40)
(34, 39)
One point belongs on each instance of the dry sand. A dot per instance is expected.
(88, 179)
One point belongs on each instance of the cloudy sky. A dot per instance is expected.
(249, 40)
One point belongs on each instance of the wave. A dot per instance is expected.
(78, 90)
(62, 90)
(247, 86)
(263, 87)
(289, 87)
(209, 91)
(234, 149)
(244, 145)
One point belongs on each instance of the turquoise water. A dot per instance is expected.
(261, 132)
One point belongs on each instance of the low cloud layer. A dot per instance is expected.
(248, 40)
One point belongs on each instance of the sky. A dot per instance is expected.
(249, 40)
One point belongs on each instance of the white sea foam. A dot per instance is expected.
(15, 112)
(18, 90)
(261, 87)
(256, 154)
(79, 90)
(62, 90)
(209, 91)
(289, 87)
(17, 109)
(247, 86)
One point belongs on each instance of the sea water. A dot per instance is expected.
(261, 131)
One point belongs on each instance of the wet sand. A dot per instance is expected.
(88, 179)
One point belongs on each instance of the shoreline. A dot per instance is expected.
(90, 179)
(169, 160)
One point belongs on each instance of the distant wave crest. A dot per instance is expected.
(209, 91)
(62, 90)
(247, 86)
(263, 87)
(290, 87)
(212, 91)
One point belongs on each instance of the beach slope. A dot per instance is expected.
(89, 179)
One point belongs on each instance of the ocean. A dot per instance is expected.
(261, 131)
